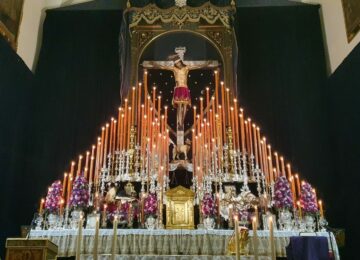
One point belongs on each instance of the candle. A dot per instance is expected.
(42, 201)
(64, 185)
(272, 241)
(277, 163)
(255, 237)
(111, 134)
(87, 163)
(237, 141)
(321, 209)
(104, 216)
(61, 207)
(292, 182)
(255, 146)
(96, 239)
(106, 144)
(79, 238)
(242, 132)
(283, 173)
(300, 210)
(114, 240)
(250, 137)
(237, 246)
(288, 166)
(154, 100)
(79, 165)
(218, 209)
(216, 91)
(133, 105)
(298, 185)
(101, 146)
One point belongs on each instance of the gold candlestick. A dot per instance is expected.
(237, 239)
(272, 241)
(114, 240)
(255, 237)
(96, 239)
(79, 238)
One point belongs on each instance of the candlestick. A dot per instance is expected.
(321, 209)
(79, 238)
(272, 241)
(237, 246)
(255, 237)
(96, 239)
(114, 240)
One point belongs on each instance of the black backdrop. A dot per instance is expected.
(282, 83)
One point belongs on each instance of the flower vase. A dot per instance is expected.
(53, 220)
(91, 220)
(285, 220)
(150, 222)
(309, 223)
(75, 218)
(209, 223)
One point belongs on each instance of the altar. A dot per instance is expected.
(168, 242)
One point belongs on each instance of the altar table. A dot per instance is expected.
(168, 242)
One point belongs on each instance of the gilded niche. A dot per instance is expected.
(180, 208)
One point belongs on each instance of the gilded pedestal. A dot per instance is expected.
(30, 249)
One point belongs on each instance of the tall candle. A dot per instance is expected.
(237, 140)
(64, 185)
(96, 239)
(118, 129)
(228, 106)
(255, 238)
(255, 146)
(111, 134)
(79, 238)
(272, 241)
(87, 163)
(300, 209)
(237, 239)
(277, 163)
(79, 165)
(101, 146)
(106, 144)
(133, 105)
(42, 201)
(321, 209)
(114, 240)
(292, 182)
(297, 179)
(154, 100)
(139, 105)
(288, 166)
(242, 132)
(216, 91)
(283, 173)
(250, 136)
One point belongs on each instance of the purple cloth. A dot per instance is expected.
(308, 248)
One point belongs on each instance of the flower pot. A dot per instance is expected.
(309, 223)
(91, 220)
(209, 223)
(285, 220)
(53, 220)
(150, 222)
(75, 218)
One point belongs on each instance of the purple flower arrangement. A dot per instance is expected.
(308, 199)
(53, 198)
(208, 208)
(283, 197)
(79, 198)
(150, 205)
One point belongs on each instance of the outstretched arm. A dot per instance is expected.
(164, 65)
(193, 65)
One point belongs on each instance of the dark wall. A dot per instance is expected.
(343, 96)
(16, 85)
(282, 85)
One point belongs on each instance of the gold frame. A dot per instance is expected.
(180, 208)
(217, 31)
(352, 23)
(10, 36)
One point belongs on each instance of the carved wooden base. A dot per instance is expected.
(30, 249)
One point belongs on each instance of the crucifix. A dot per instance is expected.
(181, 97)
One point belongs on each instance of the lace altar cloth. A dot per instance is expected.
(167, 242)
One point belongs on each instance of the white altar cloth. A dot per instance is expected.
(167, 242)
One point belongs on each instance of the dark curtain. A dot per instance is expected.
(282, 85)
(16, 85)
(343, 96)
